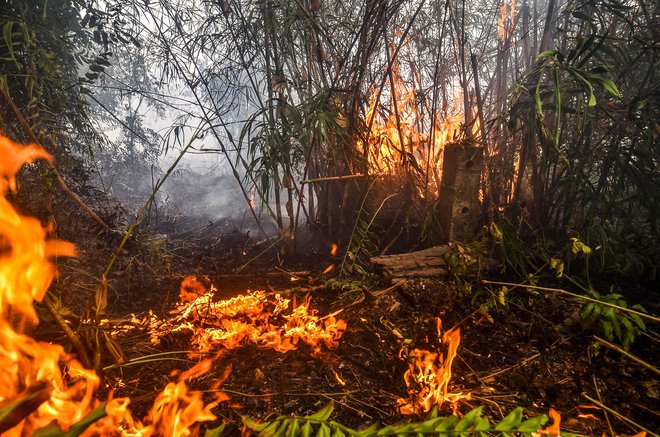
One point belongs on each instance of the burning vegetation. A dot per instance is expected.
(363, 218)
(46, 390)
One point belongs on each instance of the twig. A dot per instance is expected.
(607, 417)
(73, 337)
(577, 296)
(506, 369)
(619, 415)
(277, 240)
(627, 354)
(339, 178)
(279, 393)
(396, 285)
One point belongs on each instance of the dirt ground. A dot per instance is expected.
(530, 353)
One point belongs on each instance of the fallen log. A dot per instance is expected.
(427, 263)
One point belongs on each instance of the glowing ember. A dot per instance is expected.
(429, 374)
(270, 322)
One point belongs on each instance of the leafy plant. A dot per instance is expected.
(471, 424)
(615, 324)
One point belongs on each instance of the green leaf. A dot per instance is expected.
(533, 424)
(28, 402)
(469, 420)
(324, 431)
(253, 425)
(511, 421)
(447, 423)
(638, 321)
(271, 428)
(53, 430)
(323, 414)
(610, 87)
(546, 54)
(306, 430)
(294, 428)
(215, 432)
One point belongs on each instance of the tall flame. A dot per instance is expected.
(42, 383)
(428, 376)
(405, 129)
(28, 367)
(506, 21)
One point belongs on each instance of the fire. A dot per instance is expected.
(42, 383)
(428, 376)
(28, 367)
(504, 26)
(270, 322)
(406, 130)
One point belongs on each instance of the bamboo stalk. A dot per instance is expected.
(72, 336)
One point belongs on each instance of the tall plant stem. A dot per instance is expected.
(155, 190)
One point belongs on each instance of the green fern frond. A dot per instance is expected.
(473, 423)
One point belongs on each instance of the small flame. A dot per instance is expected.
(338, 378)
(333, 249)
(428, 376)
(554, 429)
(328, 269)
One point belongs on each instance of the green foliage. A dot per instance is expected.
(615, 324)
(471, 424)
(582, 117)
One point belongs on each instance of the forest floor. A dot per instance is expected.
(529, 353)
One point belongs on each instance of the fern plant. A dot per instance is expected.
(473, 423)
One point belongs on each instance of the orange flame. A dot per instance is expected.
(53, 386)
(428, 376)
(274, 323)
(505, 22)
(404, 128)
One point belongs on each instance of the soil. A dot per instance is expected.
(530, 352)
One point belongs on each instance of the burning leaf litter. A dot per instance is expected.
(268, 321)
(428, 376)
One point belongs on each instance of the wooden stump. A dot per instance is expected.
(459, 207)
